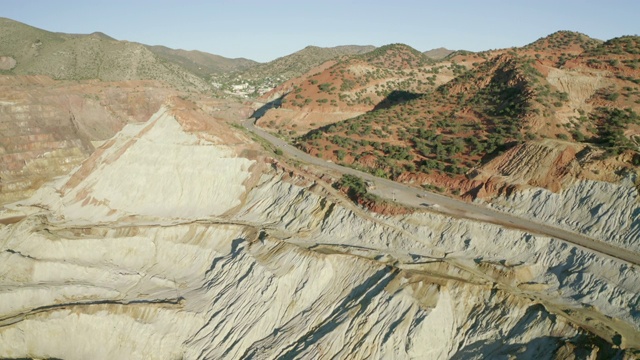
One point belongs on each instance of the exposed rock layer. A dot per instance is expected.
(47, 128)
(606, 211)
(244, 262)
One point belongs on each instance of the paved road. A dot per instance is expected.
(409, 196)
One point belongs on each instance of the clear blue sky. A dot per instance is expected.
(263, 30)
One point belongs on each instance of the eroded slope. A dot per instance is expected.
(208, 254)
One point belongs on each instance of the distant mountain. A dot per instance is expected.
(27, 50)
(360, 79)
(201, 63)
(262, 78)
(564, 41)
(438, 54)
(359, 82)
(394, 56)
(298, 63)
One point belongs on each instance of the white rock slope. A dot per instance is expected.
(192, 259)
(152, 169)
(606, 211)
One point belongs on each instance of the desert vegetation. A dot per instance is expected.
(500, 102)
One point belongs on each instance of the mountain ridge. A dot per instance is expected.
(99, 56)
(202, 63)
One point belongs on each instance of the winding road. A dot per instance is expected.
(411, 196)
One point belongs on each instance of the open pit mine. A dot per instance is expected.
(180, 237)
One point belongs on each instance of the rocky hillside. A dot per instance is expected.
(25, 50)
(238, 259)
(342, 89)
(563, 108)
(261, 78)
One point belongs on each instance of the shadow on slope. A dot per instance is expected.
(396, 97)
(264, 108)
(538, 348)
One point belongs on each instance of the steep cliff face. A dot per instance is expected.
(582, 286)
(166, 243)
